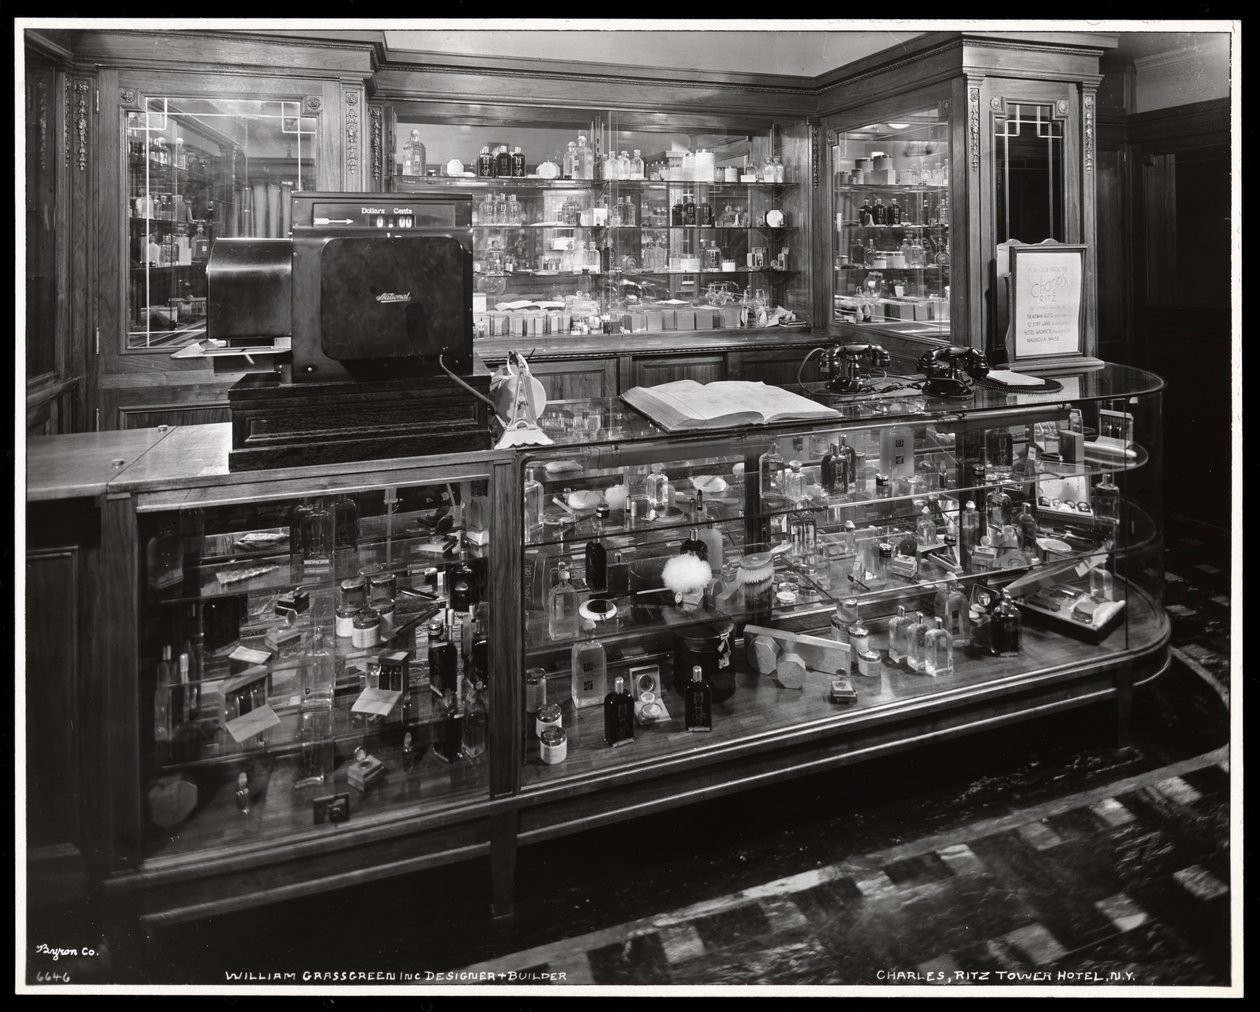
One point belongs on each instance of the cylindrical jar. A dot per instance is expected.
(553, 746)
(367, 629)
(548, 717)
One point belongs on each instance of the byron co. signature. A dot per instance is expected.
(51, 950)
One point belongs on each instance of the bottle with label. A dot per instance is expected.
(999, 451)
(770, 469)
(704, 213)
(866, 213)
(999, 509)
(503, 162)
(512, 212)
(562, 607)
(518, 162)
(618, 715)
(415, 160)
(1004, 628)
(689, 209)
(827, 469)
(485, 162)
(925, 529)
(568, 165)
(894, 212)
(898, 628)
(698, 702)
(694, 546)
(938, 650)
(950, 604)
(879, 213)
(658, 489)
(636, 165)
(794, 482)
(609, 167)
(623, 165)
(588, 672)
(1027, 530)
(476, 721)
(443, 658)
(677, 213)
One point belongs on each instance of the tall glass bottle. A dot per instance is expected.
(568, 168)
(827, 469)
(562, 608)
(346, 523)
(770, 470)
(476, 721)
(447, 727)
(485, 162)
(698, 702)
(164, 718)
(657, 485)
(618, 714)
(794, 482)
(1027, 530)
(999, 508)
(597, 562)
(898, 630)
(503, 162)
(969, 531)
(585, 162)
(623, 165)
(951, 605)
(925, 529)
(518, 162)
(879, 213)
(317, 537)
(533, 496)
(915, 636)
(315, 717)
(999, 452)
(1106, 499)
(938, 650)
(588, 672)
(443, 659)
(636, 165)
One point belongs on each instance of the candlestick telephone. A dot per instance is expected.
(842, 363)
(947, 370)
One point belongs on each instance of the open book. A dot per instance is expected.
(686, 404)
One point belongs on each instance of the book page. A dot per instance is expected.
(687, 404)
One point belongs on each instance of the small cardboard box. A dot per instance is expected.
(894, 309)
(730, 316)
(517, 323)
(707, 318)
(684, 319)
(668, 320)
(638, 321)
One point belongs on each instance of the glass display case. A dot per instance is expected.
(814, 578)
(891, 211)
(198, 169)
(308, 661)
(621, 224)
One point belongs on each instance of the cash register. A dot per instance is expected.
(366, 313)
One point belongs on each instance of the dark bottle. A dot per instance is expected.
(689, 209)
(704, 214)
(518, 162)
(443, 661)
(677, 214)
(694, 546)
(846, 473)
(866, 215)
(1004, 628)
(297, 517)
(479, 650)
(879, 213)
(894, 212)
(618, 715)
(827, 468)
(597, 562)
(698, 702)
(485, 162)
(503, 162)
(1027, 529)
(447, 732)
(462, 582)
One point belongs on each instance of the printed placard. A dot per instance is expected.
(1047, 307)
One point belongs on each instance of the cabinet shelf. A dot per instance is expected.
(635, 228)
(889, 188)
(903, 227)
(863, 267)
(406, 183)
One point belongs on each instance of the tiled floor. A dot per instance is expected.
(1040, 854)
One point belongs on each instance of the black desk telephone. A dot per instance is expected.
(946, 368)
(841, 366)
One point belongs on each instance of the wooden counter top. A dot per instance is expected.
(67, 467)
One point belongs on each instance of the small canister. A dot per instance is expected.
(353, 594)
(868, 663)
(548, 717)
(367, 629)
(553, 746)
(386, 612)
(383, 588)
(859, 638)
(345, 621)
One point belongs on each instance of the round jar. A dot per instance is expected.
(548, 717)
(383, 587)
(345, 621)
(367, 629)
(868, 663)
(649, 709)
(859, 638)
(386, 612)
(553, 746)
(535, 691)
(353, 592)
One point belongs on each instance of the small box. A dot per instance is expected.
(842, 690)
(897, 310)
(655, 320)
(296, 601)
(637, 322)
(331, 808)
(477, 536)
(921, 309)
(886, 177)
(479, 303)
(684, 319)
(516, 323)
(708, 318)
(284, 639)
(730, 316)
(241, 659)
(668, 319)
(364, 770)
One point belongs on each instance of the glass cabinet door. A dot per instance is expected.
(619, 223)
(891, 223)
(809, 576)
(197, 169)
(310, 661)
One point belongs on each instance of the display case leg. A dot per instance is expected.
(1124, 706)
(502, 863)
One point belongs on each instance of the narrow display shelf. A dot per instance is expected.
(889, 187)
(760, 708)
(863, 267)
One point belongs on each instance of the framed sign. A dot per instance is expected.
(1046, 304)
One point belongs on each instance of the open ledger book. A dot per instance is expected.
(685, 404)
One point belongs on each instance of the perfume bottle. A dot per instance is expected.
(898, 630)
(1027, 530)
(694, 546)
(771, 469)
(584, 160)
(794, 482)
(938, 650)
(518, 162)
(618, 715)
(485, 163)
(562, 608)
(698, 702)
(597, 562)
(532, 492)
(317, 537)
(1101, 582)
(969, 531)
(479, 648)
(894, 212)
(689, 209)
(476, 719)
(447, 727)
(925, 529)
(568, 167)
(443, 659)
(711, 538)
(503, 162)
(866, 214)
(827, 468)
(849, 474)
(999, 452)
(1004, 628)
(677, 213)
(879, 213)
(636, 165)
(588, 672)
(1107, 499)
(916, 634)
(999, 509)
(950, 604)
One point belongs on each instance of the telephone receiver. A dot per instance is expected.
(945, 369)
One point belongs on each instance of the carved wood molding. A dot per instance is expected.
(377, 116)
(65, 124)
(1089, 132)
(973, 126)
(81, 121)
(41, 116)
(813, 148)
(352, 136)
(312, 105)
(129, 97)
